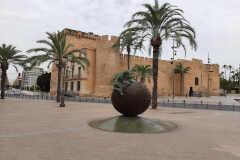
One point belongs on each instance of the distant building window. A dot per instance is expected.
(196, 81)
(72, 71)
(66, 73)
(66, 86)
(71, 86)
(78, 85)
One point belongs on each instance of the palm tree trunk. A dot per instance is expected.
(155, 76)
(181, 86)
(128, 50)
(4, 74)
(59, 83)
(156, 44)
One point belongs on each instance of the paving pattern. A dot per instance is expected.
(39, 130)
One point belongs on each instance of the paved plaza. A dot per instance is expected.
(40, 130)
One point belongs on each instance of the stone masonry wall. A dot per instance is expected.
(106, 62)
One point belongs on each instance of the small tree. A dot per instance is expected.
(180, 69)
(142, 72)
(43, 82)
(128, 41)
(58, 49)
(122, 80)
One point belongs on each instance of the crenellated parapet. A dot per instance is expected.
(135, 59)
(107, 38)
(79, 34)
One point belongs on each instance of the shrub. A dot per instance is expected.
(122, 80)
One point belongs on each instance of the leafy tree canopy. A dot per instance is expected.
(43, 81)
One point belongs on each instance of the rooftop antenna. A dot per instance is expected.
(209, 60)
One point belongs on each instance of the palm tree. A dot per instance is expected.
(225, 67)
(158, 24)
(9, 55)
(230, 72)
(180, 69)
(58, 49)
(129, 41)
(142, 72)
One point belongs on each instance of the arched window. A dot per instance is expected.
(71, 86)
(196, 81)
(78, 85)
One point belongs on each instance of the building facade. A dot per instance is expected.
(29, 77)
(106, 62)
(18, 81)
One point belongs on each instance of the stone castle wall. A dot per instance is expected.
(106, 62)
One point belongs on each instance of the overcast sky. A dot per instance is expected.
(217, 23)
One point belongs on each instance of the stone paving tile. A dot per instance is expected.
(39, 130)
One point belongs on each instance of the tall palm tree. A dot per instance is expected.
(57, 49)
(180, 69)
(128, 41)
(230, 72)
(142, 72)
(9, 55)
(158, 24)
(225, 67)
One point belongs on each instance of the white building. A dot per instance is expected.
(30, 76)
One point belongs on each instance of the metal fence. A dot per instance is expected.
(198, 105)
(161, 103)
(51, 98)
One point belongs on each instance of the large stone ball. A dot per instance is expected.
(135, 101)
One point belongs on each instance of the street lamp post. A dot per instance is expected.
(64, 63)
(209, 71)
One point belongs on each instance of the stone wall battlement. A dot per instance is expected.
(107, 38)
(124, 58)
(79, 34)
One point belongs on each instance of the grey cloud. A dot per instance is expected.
(217, 22)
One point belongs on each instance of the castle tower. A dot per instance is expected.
(107, 64)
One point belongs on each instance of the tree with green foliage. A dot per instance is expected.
(9, 55)
(43, 82)
(128, 41)
(157, 24)
(225, 67)
(58, 49)
(180, 69)
(142, 72)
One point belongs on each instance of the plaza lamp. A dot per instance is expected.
(209, 71)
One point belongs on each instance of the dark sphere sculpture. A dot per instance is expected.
(135, 100)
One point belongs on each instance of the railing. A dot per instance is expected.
(198, 105)
(161, 103)
(70, 99)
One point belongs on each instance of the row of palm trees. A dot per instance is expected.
(143, 73)
(228, 69)
(230, 78)
(156, 24)
(57, 51)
